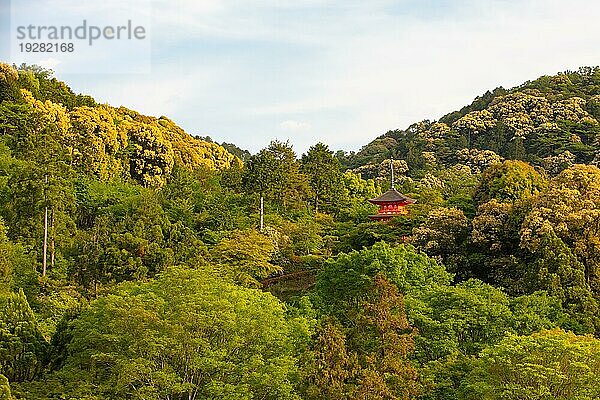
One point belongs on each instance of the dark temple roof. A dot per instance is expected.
(392, 196)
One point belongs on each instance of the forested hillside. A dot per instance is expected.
(549, 122)
(135, 262)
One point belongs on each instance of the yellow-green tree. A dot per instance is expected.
(509, 181)
(96, 141)
(4, 389)
(150, 155)
(9, 89)
(570, 208)
(550, 364)
(245, 256)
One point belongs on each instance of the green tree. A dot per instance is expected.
(324, 176)
(5, 260)
(262, 176)
(557, 271)
(384, 340)
(332, 368)
(347, 278)
(474, 124)
(535, 312)
(463, 319)
(478, 160)
(444, 233)
(458, 186)
(458, 322)
(16, 267)
(126, 236)
(22, 347)
(496, 236)
(37, 132)
(186, 335)
(547, 365)
(274, 174)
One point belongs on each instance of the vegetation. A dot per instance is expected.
(139, 262)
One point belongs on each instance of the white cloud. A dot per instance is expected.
(49, 63)
(294, 126)
(145, 94)
(354, 69)
(404, 71)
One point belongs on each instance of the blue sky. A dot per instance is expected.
(341, 72)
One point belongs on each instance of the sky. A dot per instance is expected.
(341, 72)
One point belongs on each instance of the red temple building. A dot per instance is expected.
(392, 203)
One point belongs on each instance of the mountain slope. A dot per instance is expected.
(100, 140)
(550, 120)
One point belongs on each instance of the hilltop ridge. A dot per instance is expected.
(543, 121)
(106, 141)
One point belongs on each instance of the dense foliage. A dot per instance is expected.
(139, 262)
(552, 122)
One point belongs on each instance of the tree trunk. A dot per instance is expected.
(262, 214)
(52, 252)
(45, 241)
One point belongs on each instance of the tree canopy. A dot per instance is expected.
(140, 262)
